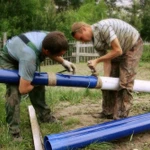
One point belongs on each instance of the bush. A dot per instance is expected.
(146, 53)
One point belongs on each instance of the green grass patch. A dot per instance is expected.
(72, 122)
(100, 146)
(55, 95)
(146, 54)
(62, 97)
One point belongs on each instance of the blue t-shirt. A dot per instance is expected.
(24, 54)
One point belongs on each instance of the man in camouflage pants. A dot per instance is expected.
(120, 47)
(24, 53)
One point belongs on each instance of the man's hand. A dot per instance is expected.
(92, 64)
(69, 66)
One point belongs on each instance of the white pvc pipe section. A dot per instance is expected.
(52, 79)
(109, 83)
(37, 138)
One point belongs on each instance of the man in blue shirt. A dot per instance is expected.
(24, 53)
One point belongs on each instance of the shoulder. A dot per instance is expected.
(103, 24)
(36, 33)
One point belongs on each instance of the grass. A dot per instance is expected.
(59, 98)
(54, 96)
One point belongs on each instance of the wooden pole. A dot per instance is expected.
(37, 137)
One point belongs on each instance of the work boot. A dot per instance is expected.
(17, 137)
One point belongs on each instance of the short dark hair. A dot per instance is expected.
(55, 42)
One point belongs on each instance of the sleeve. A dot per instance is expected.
(27, 69)
(108, 34)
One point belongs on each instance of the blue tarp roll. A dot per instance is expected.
(108, 131)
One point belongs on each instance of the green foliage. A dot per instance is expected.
(145, 32)
(63, 5)
(21, 16)
(131, 15)
(135, 15)
(146, 53)
(47, 18)
(17, 15)
(89, 12)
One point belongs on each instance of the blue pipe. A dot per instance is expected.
(108, 131)
(9, 76)
(81, 137)
(43, 78)
(52, 79)
(76, 81)
(12, 77)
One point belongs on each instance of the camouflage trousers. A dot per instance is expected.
(13, 98)
(118, 103)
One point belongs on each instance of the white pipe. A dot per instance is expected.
(141, 86)
(109, 83)
(37, 138)
(52, 79)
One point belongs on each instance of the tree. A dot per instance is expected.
(64, 5)
(17, 15)
(89, 12)
(47, 16)
(145, 31)
(131, 14)
(135, 14)
(111, 4)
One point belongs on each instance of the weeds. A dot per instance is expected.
(59, 98)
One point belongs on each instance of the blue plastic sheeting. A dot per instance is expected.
(108, 131)
(12, 77)
(76, 81)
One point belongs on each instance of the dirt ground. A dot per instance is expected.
(85, 110)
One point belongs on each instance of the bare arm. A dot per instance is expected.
(115, 52)
(25, 86)
(107, 68)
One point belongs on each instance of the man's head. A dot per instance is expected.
(55, 43)
(81, 31)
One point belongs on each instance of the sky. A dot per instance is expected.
(124, 3)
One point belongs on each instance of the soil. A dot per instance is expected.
(85, 110)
